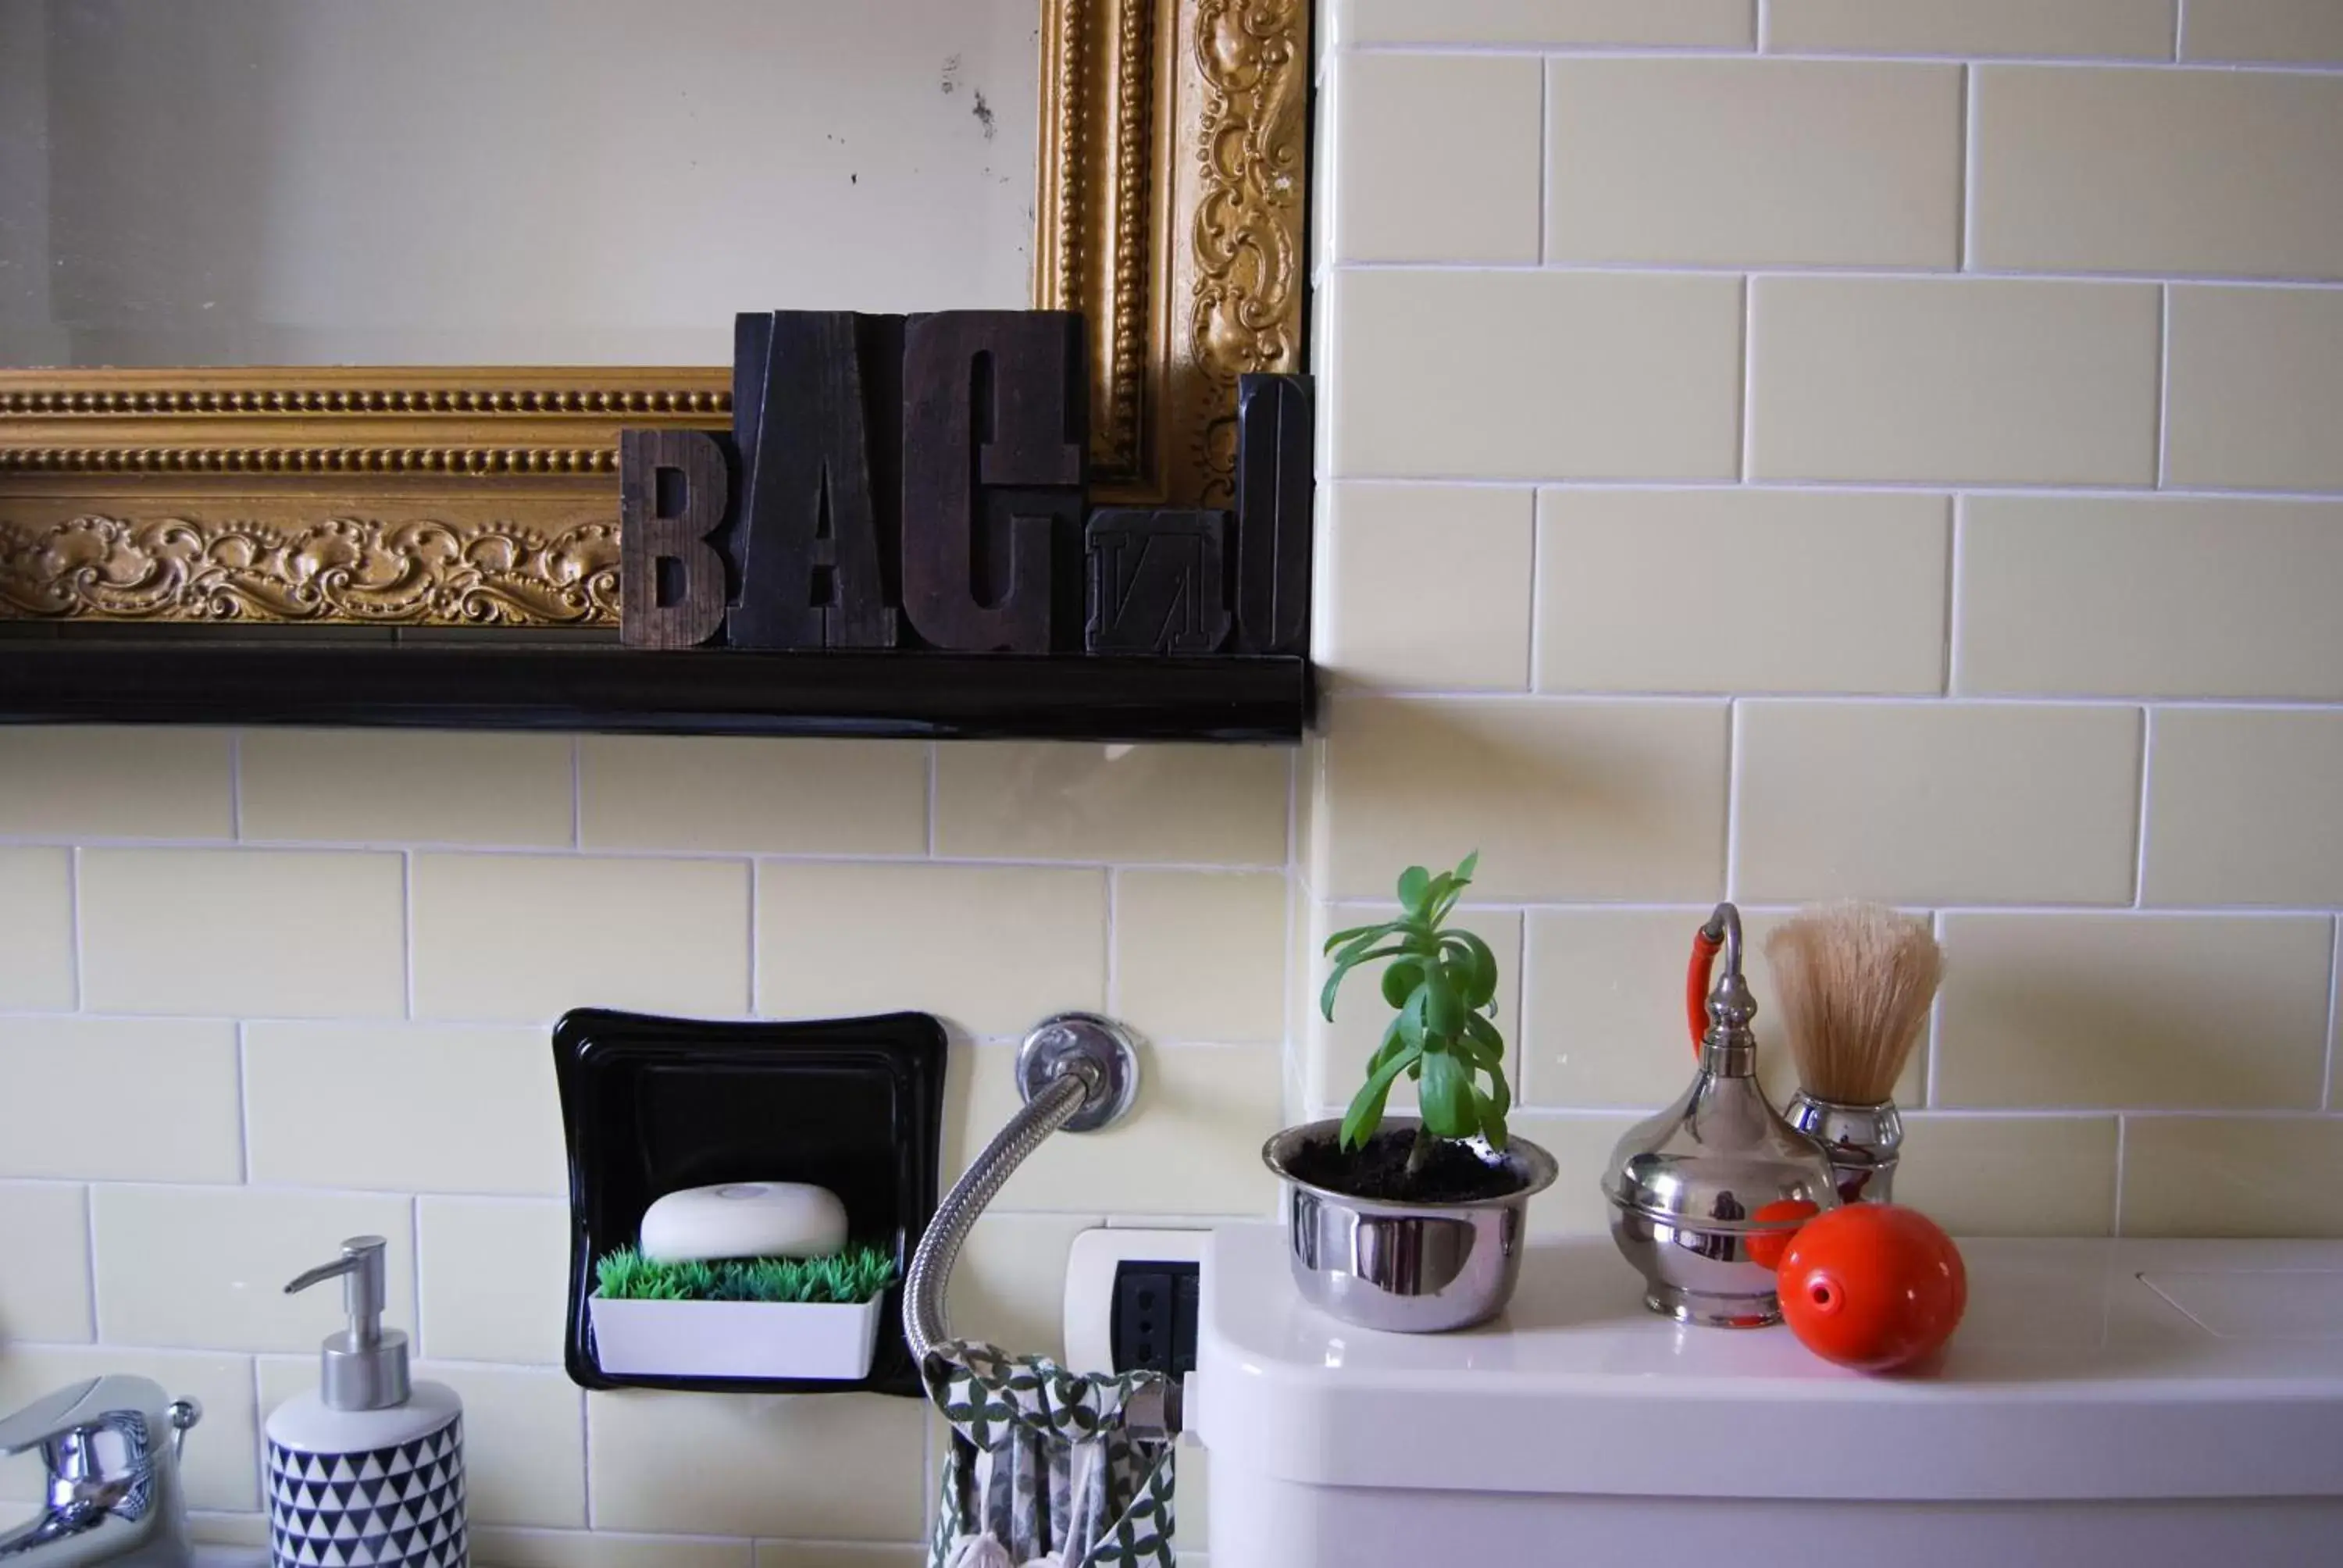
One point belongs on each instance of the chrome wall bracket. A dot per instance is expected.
(1099, 1050)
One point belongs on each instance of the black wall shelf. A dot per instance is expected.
(475, 685)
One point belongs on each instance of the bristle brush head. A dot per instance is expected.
(1855, 981)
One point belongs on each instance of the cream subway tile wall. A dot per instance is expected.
(2150, 597)
(1843, 591)
(1381, 626)
(2256, 387)
(169, 1087)
(1412, 127)
(2301, 32)
(2086, 29)
(1995, 575)
(391, 786)
(2180, 172)
(1689, 23)
(1892, 455)
(310, 978)
(1944, 380)
(1737, 162)
(46, 1294)
(36, 928)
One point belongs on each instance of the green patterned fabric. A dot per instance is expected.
(1041, 1473)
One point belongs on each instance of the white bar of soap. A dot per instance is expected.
(744, 1220)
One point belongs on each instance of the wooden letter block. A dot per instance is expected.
(671, 493)
(810, 556)
(1158, 582)
(1274, 495)
(994, 447)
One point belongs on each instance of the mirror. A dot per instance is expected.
(330, 312)
(549, 182)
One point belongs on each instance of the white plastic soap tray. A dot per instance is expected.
(735, 1339)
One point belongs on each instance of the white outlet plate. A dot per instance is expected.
(1090, 1285)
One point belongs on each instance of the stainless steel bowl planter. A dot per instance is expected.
(1409, 1268)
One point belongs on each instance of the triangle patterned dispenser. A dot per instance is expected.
(367, 1469)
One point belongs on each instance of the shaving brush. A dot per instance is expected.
(1854, 982)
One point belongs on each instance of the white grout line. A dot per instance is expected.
(235, 785)
(2123, 1142)
(1545, 164)
(89, 1265)
(1747, 444)
(2180, 28)
(2148, 64)
(259, 1437)
(756, 969)
(1926, 700)
(2140, 492)
(2334, 1017)
(563, 852)
(1113, 980)
(1535, 677)
(1928, 1090)
(2164, 386)
(407, 924)
(934, 795)
(2139, 826)
(414, 1273)
(1765, 29)
(585, 1452)
(243, 1101)
(1967, 214)
(1858, 271)
(1955, 537)
(72, 926)
(577, 791)
(1733, 756)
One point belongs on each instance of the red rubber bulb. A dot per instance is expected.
(1873, 1286)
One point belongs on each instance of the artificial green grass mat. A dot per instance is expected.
(845, 1278)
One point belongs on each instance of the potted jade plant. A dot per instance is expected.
(741, 1317)
(1415, 1223)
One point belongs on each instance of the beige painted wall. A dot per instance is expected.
(1647, 617)
(531, 181)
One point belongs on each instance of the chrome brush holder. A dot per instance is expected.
(1863, 1142)
(1707, 1194)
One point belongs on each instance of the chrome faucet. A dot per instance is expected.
(111, 1446)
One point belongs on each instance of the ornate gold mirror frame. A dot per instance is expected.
(1174, 188)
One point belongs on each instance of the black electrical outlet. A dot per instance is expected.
(1154, 1323)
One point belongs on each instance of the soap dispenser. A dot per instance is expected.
(369, 1469)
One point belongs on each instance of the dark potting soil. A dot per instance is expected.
(1454, 1175)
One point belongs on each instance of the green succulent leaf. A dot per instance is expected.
(1444, 1097)
(1410, 1021)
(1343, 966)
(1400, 977)
(1443, 984)
(1487, 1055)
(1362, 940)
(1366, 1112)
(1493, 1117)
(1444, 1003)
(1479, 964)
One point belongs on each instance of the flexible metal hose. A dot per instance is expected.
(924, 1325)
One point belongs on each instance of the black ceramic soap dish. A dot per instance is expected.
(654, 1105)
